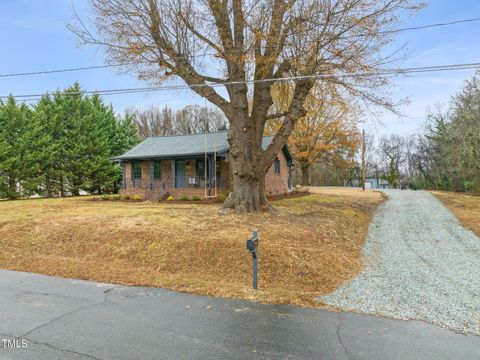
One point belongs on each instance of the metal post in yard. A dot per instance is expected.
(252, 245)
(255, 270)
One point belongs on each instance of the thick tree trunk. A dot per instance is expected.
(305, 177)
(48, 187)
(249, 161)
(247, 195)
(248, 173)
(62, 188)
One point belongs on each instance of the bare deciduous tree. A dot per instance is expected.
(448, 156)
(194, 119)
(191, 119)
(153, 121)
(392, 156)
(256, 43)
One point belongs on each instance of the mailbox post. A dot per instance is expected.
(252, 245)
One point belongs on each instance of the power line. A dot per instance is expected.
(53, 71)
(421, 27)
(403, 71)
(63, 70)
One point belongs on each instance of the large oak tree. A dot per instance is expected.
(231, 52)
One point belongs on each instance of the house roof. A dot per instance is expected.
(187, 145)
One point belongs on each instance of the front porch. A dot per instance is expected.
(154, 179)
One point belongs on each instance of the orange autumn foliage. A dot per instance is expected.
(327, 133)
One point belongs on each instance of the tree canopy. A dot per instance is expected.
(328, 132)
(233, 52)
(448, 155)
(61, 146)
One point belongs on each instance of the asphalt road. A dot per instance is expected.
(65, 319)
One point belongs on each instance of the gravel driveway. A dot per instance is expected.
(422, 264)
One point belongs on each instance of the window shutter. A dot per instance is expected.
(276, 166)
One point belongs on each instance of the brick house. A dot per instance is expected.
(191, 165)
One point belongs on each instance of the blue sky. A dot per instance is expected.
(34, 37)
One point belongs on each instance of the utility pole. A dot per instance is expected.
(363, 160)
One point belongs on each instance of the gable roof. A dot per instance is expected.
(187, 145)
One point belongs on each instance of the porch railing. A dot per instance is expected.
(199, 182)
(146, 184)
(179, 182)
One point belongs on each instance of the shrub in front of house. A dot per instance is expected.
(195, 198)
(184, 198)
(113, 197)
(137, 198)
(170, 198)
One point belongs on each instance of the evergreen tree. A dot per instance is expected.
(126, 135)
(62, 146)
(48, 113)
(14, 122)
(35, 155)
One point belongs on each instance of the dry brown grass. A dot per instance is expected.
(309, 248)
(465, 207)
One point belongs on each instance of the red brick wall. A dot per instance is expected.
(128, 170)
(277, 184)
(167, 173)
(226, 174)
(148, 188)
(144, 193)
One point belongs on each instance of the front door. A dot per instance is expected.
(180, 174)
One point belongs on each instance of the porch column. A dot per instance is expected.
(289, 184)
(151, 174)
(124, 179)
(211, 173)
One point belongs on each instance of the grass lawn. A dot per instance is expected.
(309, 248)
(465, 207)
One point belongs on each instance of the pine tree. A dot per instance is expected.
(47, 112)
(101, 171)
(126, 135)
(62, 146)
(36, 154)
(13, 125)
(89, 136)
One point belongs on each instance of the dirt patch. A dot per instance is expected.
(465, 207)
(309, 247)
